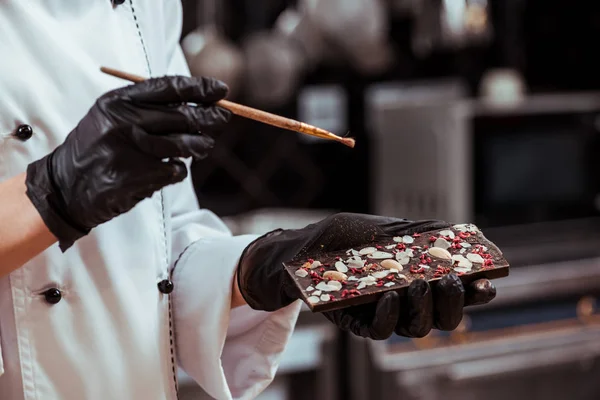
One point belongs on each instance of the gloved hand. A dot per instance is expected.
(125, 149)
(265, 285)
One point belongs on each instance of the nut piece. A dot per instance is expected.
(476, 258)
(441, 243)
(378, 255)
(462, 270)
(447, 233)
(462, 261)
(380, 274)
(407, 239)
(327, 287)
(367, 250)
(302, 273)
(341, 267)
(440, 253)
(313, 299)
(402, 276)
(392, 264)
(354, 263)
(335, 285)
(335, 276)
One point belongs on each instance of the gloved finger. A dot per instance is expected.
(479, 292)
(166, 173)
(416, 311)
(449, 300)
(175, 89)
(175, 145)
(385, 318)
(163, 120)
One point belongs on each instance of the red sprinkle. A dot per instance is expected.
(428, 260)
(464, 235)
(414, 247)
(321, 269)
(310, 260)
(417, 235)
(379, 284)
(338, 258)
(390, 277)
(401, 246)
(425, 247)
(377, 246)
(432, 239)
(344, 293)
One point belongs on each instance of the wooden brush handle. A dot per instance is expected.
(274, 120)
(252, 113)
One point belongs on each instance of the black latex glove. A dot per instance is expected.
(126, 148)
(265, 285)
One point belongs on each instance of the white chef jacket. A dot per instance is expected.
(114, 334)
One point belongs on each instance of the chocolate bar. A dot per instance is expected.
(361, 275)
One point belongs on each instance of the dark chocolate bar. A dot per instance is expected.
(361, 275)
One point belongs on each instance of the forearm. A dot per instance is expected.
(23, 234)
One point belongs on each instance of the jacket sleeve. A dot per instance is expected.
(231, 354)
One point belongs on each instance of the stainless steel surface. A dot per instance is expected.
(421, 155)
(554, 360)
(434, 178)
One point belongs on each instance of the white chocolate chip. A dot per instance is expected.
(310, 289)
(313, 299)
(317, 293)
(361, 285)
(407, 239)
(390, 284)
(325, 297)
(397, 239)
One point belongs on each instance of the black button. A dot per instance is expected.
(118, 2)
(165, 286)
(53, 295)
(24, 132)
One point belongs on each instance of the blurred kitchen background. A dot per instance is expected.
(484, 111)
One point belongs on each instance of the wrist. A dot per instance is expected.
(41, 191)
(237, 300)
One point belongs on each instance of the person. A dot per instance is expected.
(111, 276)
